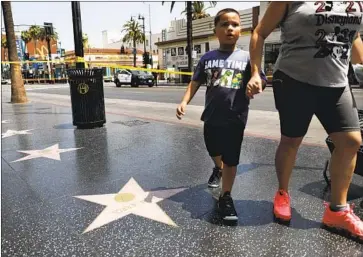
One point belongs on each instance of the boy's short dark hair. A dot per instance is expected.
(223, 11)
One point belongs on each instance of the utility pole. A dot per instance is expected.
(189, 36)
(77, 33)
(151, 51)
(48, 27)
(143, 27)
(150, 29)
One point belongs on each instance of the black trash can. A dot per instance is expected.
(87, 98)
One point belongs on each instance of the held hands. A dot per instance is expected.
(180, 111)
(254, 86)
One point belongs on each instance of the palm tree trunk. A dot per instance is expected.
(134, 51)
(189, 35)
(18, 94)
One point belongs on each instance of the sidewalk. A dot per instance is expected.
(137, 187)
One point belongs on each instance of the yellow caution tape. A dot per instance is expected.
(110, 65)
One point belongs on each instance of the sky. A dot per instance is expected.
(99, 16)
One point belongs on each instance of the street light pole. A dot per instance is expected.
(143, 27)
(77, 33)
(150, 29)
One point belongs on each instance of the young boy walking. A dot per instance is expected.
(226, 72)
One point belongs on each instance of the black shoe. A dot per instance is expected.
(215, 178)
(226, 207)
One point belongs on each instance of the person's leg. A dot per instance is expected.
(285, 159)
(228, 176)
(295, 102)
(233, 137)
(212, 142)
(342, 164)
(217, 160)
(338, 113)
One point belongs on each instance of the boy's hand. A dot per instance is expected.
(180, 111)
(254, 86)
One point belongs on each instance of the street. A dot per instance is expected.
(170, 94)
(159, 104)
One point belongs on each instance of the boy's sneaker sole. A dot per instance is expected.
(213, 185)
(342, 232)
(227, 218)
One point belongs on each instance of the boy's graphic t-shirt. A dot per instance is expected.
(226, 75)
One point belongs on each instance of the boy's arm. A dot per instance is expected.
(197, 79)
(190, 92)
(188, 96)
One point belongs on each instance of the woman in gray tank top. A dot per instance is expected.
(319, 39)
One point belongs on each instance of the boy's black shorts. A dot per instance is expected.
(297, 102)
(224, 141)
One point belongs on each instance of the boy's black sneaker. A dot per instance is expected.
(226, 207)
(215, 178)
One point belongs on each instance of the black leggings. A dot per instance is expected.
(297, 102)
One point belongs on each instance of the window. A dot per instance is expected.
(198, 48)
(207, 47)
(173, 52)
(180, 50)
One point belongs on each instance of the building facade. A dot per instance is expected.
(107, 59)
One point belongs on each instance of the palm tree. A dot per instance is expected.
(35, 32)
(4, 44)
(26, 37)
(199, 9)
(189, 12)
(133, 34)
(85, 41)
(18, 94)
(43, 36)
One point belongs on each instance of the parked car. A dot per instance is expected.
(133, 78)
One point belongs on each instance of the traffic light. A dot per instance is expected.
(48, 28)
(146, 58)
(122, 49)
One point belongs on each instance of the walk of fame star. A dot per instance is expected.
(131, 199)
(10, 133)
(52, 152)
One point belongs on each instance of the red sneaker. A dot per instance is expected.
(345, 221)
(282, 209)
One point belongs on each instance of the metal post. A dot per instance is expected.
(49, 59)
(189, 36)
(49, 48)
(77, 33)
(151, 51)
(143, 27)
(150, 29)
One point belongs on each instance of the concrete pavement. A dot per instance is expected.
(137, 187)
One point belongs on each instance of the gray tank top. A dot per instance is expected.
(317, 40)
